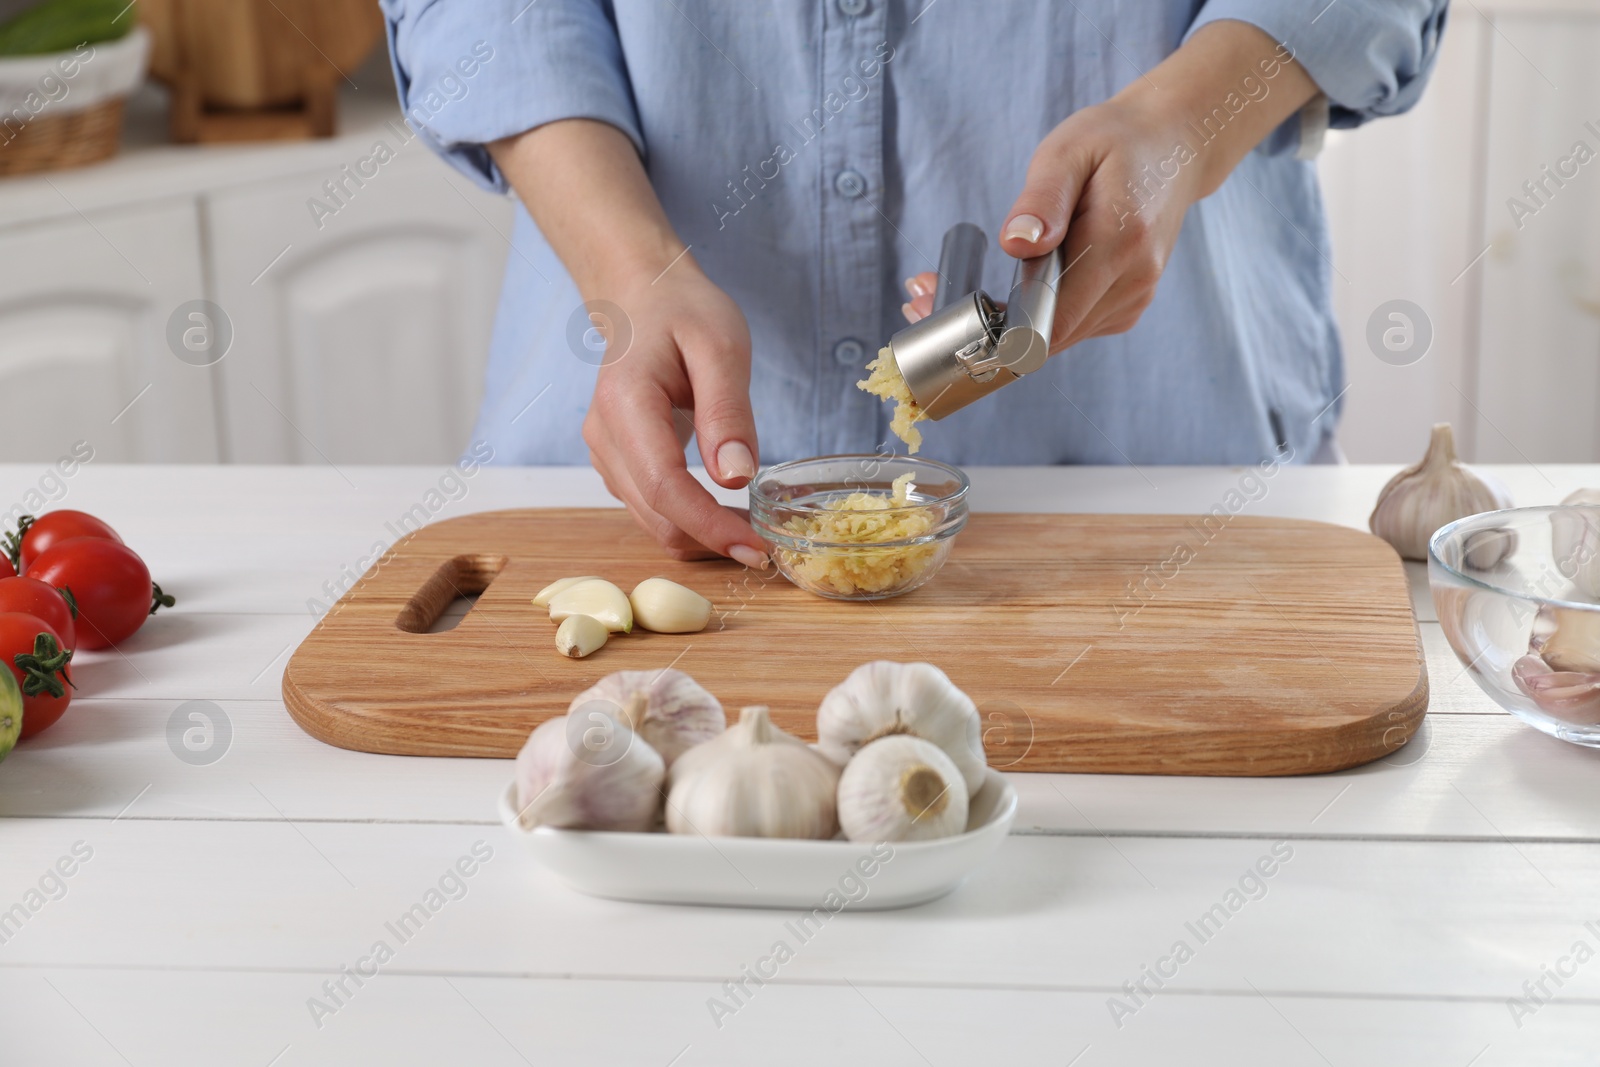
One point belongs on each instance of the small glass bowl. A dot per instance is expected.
(1518, 597)
(789, 508)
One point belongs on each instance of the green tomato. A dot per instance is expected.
(10, 712)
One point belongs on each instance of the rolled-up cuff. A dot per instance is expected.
(469, 74)
(1370, 58)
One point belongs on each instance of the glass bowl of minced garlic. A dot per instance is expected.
(862, 527)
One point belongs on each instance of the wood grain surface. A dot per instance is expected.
(257, 70)
(1098, 643)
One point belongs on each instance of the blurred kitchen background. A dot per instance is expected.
(168, 176)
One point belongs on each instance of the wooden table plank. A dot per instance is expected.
(1379, 918)
(403, 1019)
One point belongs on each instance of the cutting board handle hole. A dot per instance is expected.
(461, 579)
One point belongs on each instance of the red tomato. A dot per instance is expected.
(30, 596)
(6, 569)
(33, 652)
(109, 582)
(38, 534)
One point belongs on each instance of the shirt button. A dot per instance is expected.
(851, 184)
(853, 8)
(849, 352)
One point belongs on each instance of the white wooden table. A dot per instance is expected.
(1421, 892)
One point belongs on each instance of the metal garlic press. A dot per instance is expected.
(969, 346)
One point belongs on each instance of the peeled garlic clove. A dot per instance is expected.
(1575, 540)
(1569, 695)
(665, 607)
(678, 713)
(755, 781)
(541, 599)
(579, 635)
(1486, 549)
(588, 770)
(883, 698)
(901, 788)
(1437, 491)
(1573, 644)
(597, 598)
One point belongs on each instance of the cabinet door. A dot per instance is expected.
(1399, 203)
(1539, 355)
(361, 333)
(84, 306)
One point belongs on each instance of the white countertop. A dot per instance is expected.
(1422, 891)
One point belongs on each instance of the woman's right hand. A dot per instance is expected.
(686, 368)
(687, 362)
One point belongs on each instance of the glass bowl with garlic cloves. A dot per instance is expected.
(1518, 597)
(859, 527)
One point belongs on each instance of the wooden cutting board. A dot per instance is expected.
(1113, 643)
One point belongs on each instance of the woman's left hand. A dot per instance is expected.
(1079, 189)
(1112, 183)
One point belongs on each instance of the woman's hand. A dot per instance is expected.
(687, 365)
(1078, 189)
(687, 368)
(1112, 183)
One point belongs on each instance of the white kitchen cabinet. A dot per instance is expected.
(1538, 366)
(364, 340)
(1418, 211)
(1399, 197)
(84, 304)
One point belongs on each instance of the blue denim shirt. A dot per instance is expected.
(813, 152)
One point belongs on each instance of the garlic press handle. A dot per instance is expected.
(960, 263)
(1030, 314)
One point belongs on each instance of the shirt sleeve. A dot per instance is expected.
(473, 71)
(1370, 58)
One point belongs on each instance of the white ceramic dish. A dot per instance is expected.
(756, 872)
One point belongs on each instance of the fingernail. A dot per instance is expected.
(735, 461)
(1027, 227)
(917, 287)
(911, 313)
(749, 557)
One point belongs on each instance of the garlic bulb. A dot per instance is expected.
(1575, 540)
(541, 599)
(1434, 492)
(588, 770)
(754, 781)
(595, 597)
(665, 607)
(678, 713)
(901, 788)
(579, 635)
(882, 698)
(690, 760)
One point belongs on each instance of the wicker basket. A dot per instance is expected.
(73, 139)
(65, 109)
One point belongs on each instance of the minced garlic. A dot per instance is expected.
(885, 382)
(863, 519)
